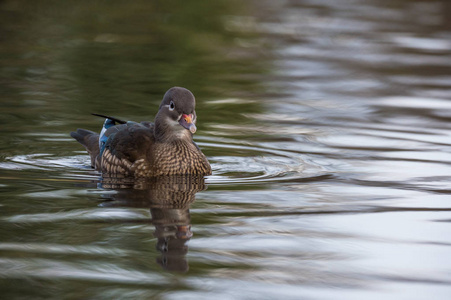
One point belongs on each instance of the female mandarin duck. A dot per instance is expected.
(146, 149)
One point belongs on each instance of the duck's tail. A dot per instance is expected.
(90, 140)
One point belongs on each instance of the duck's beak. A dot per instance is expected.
(187, 122)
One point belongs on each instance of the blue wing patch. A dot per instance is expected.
(103, 137)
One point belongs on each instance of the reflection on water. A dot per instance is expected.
(169, 199)
(326, 124)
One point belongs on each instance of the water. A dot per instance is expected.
(326, 124)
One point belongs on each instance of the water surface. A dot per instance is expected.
(326, 124)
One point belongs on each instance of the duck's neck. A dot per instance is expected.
(164, 133)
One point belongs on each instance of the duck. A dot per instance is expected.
(145, 149)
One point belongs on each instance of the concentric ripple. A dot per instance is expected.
(242, 164)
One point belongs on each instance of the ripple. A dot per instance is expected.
(415, 103)
(422, 43)
(63, 249)
(55, 269)
(253, 164)
(81, 214)
(42, 161)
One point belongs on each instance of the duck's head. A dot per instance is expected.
(176, 117)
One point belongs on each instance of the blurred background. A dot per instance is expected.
(326, 124)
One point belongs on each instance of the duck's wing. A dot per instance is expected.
(125, 140)
(124, 145)
(92, 141)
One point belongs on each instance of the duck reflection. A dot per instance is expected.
(169, 199)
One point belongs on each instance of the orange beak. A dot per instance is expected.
(188, 118)
(187, 122)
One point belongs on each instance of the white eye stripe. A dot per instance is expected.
(170, 106)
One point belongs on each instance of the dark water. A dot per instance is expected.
(326, 123)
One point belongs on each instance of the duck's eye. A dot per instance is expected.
(171, 106)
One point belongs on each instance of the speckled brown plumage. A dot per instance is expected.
(146, 149)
